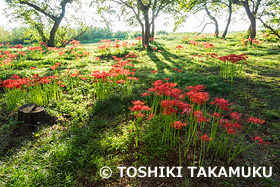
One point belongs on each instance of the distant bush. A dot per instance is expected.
(14, 36)
(161, 32)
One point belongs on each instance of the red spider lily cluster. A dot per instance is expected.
(74, 42)
(76, 51)
(234, 58)
(194, 42)
(15, 82)
(109, 47)
(7, 58)
(3, 45)
(32, 48)
(232, 65)
(19, 46)
(254, 41)
(207, 45)
(176, 105)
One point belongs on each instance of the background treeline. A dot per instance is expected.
(27, 35)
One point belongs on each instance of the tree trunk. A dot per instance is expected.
(143, 33)
(51, 42)
(153, 29)
(147, 29)
(252, 18)
(213, 19)
(229, 19)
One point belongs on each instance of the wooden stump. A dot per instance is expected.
(31, 114)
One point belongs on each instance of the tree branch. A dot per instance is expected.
(39, 9)
(270, 28)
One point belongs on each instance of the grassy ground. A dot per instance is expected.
(90, 134)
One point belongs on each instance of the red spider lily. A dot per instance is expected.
(138, 106)
(59, 82)
(159, 51)
(84, 78)
(256, 120)
(216, 115)
(151, 116)
(138, 102)
(74, 42)
(207, 45)
(179, 47)
(74, 75)
(139, 38)
(99, 75)
(166, 79)
(198, 97)
(43, 44)
(62, 86)
(97, 58)
(132, 78)
(53, 49)
(120, 81)
(155, 48)
(198, 114)
(153, 71)
(222, 103)
(19, 46)
(146, 46)
(140, 115)
(193, 42)
(237, 126)
(197, 88)
(179, 125)
(202, 119)
(134, 70)
(212, 55)
(145, 94)
(54, 67)
(236, 116)
(231, 131)
(30, 48)
(205, 138)
(260, 141)
(32, 67)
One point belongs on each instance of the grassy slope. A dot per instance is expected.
(89, 135)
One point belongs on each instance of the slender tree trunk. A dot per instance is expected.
(147, 29)
(213, 19)
(143, 33)
(153, 29)
(229, 19)
(153, 23)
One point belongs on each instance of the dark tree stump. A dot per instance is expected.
(31, 114)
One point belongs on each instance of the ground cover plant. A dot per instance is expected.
(192, 100)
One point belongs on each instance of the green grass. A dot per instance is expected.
(90, 134)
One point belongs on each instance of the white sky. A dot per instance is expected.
(190, 25)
